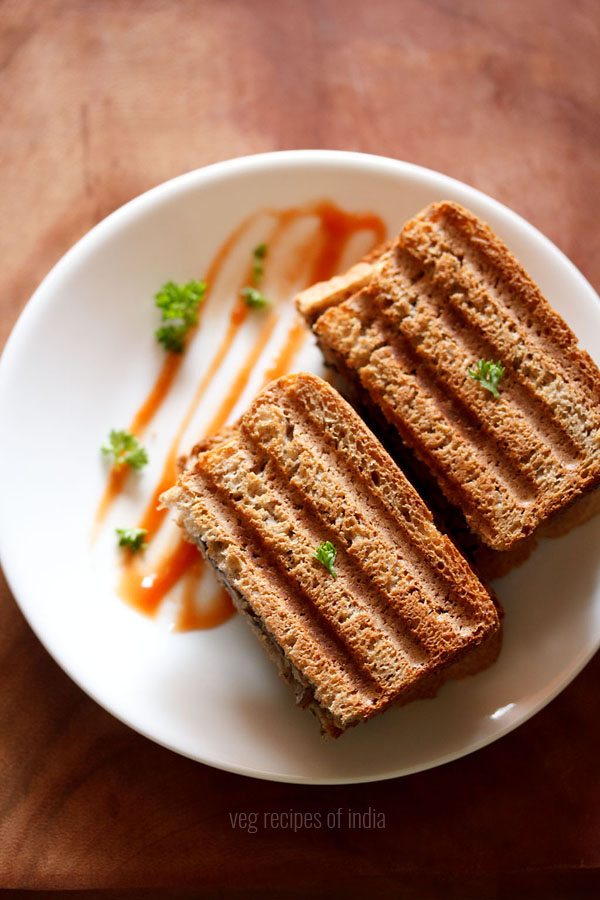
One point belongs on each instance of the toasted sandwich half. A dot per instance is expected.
(332, 557)
(408, 333)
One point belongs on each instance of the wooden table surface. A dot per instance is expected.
(105, 98)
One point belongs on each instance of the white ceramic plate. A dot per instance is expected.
(80, 360)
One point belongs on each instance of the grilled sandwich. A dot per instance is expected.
(406, 332)
(332, 557)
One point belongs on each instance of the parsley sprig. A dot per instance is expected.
(124, 449)
(488, 374)
(133, 539)
(253, 298)
(250, 294)
(258, 269)
(326, 554)
(178, 304)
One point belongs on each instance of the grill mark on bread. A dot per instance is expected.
(444, 443)
(304, 689)
(427, 419)
(436, 336)
(392, 495)
(385, 425)
(540, 414)
(268, 513)
(453, 404)
(480, 247)
(363, 579)
(490, 308)
(361, 489)
(401, 610)
(305, 635)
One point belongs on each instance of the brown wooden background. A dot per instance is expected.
(101, 99)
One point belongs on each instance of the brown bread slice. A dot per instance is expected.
(317, 298)
(447, 294)
(405, 611)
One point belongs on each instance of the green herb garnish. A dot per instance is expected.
(488, 374)
(134, 539)
(178, 304)
(258, 269)
(125, 450)
(326, 554)
(253, 298)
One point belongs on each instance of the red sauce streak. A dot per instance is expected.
(242, 377)
(337, 227)
(153, 517)
(296, 337)
(166, 379)
(157, 395)
(146, 589)
(208, 613)
(114, 486)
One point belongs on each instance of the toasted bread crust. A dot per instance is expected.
(315, 300)
(302, 468)
(448, 294)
